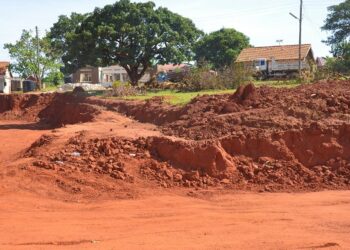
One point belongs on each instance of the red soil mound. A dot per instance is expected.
(264, 108)
(303, 131)
(265, 138)
(52, 109)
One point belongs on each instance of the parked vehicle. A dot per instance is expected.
(277, 61)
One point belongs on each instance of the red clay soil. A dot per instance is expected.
(264, 139)
(266, 136)
(72, 170)
(53, 109)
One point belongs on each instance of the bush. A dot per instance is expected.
(121, 89)
(54, 78)
(235, 75)
(200, 78)
(335, 68)
(338, 65)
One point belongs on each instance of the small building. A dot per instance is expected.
(172, 72)
(117, 73)
(109, 74)
(5, 78)
(16, 84)
(282, 60)
(114, 73)
(321, 62)
(87, 74)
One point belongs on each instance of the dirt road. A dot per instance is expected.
(235, 221)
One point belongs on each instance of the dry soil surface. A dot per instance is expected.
(234, 221)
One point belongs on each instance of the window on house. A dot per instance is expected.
(85, 77)
(262, 62)
(125, 77)
(116, 77)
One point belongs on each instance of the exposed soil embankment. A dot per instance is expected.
(51, 109)
(301, 133)
(277, 139)
(154, 110)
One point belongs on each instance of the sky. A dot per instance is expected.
(264, 22)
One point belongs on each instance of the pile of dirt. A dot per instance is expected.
(256, 161)
(119, 158)
(266, 108)
(248, 163)
(23, 106)
(100, 156)
(303, 131)
(54, 110)
(262, 138)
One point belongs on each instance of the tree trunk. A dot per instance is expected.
(39, 82)
(133, 73)
(134, 77)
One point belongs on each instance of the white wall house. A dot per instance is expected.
(117, 73)
(5, 78)
(108, 75)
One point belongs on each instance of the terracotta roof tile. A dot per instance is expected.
(170, 67)
(282, 52)
(3, 67)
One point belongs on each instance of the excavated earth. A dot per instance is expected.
(227, 171)
(261, 139)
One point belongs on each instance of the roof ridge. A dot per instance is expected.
(274, 46)
(280, 52)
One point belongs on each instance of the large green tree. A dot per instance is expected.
(132, 35)
(62, 31)
(221, 48)
(33, 56)
(338, 24)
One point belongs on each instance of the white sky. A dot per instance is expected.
(263, 21)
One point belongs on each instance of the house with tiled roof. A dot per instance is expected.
(278, 60)
(5, 78)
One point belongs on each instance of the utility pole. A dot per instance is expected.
(37, 54)
(300, 32)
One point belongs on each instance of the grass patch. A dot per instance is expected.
(278, 84)
(178, 98)
(181, 98)
(50, 88)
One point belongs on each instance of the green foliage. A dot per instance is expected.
(221, 48)
(55, 78)
(337, 23)
(176, 97)
(200, 78)
(235, 75)
(116, 84)
(132, 35)
(340, 65)
(30, 63)
(62, 32)
(124, 89)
